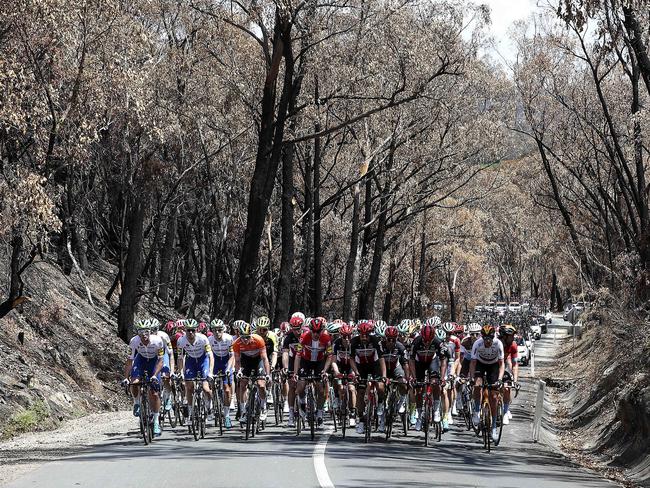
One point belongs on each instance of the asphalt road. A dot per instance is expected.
(277, 458)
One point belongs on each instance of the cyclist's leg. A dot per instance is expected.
(165, 374)
(507, 398)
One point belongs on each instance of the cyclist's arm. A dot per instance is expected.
(285, 359)
(265, 358)
(159, 363)
(472, 369)
(382, 367)
(274, 359)
(515, 371)
(127, 368)
(502, 368)
(443, 368)
(411, 364)
(181, 361)
(210, 360)
(172, 363)
(231, 360)
(328, 362)
(237, 361)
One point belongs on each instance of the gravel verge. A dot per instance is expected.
(30, 451)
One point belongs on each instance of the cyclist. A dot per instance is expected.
(511, 360)
(224, 362)
(146, 354)
(250, 361)
(311, 354)
(179, 331)
(262, 326)
(428, 353)
(487, 359)
(367, 351)
(168, 365)
(453, 346)
(289, 344)
(340, 362)
(195, 360)
(397, 366)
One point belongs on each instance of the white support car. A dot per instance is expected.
(523, 351)
(514, 307)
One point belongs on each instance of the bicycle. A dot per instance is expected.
(178, 401)
(218, 400)
(467, 406)
(486, 415)
(371, 401)
(343, 411)
(278, 399)
(331, 395)
(146, 415)
(253, 406)
(428, 424)
(310, 407)
(199, 415)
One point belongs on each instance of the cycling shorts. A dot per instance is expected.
(252, 366)
(396, 373)
(491, 371)
(421, 368)
(464, 368)
(310, 368)
(221, 366)
(197, 367)
(165, 369)
(141, 364)
(365, 370)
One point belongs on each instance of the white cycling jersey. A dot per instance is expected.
(198, 348)
(221, 348)
(485, 354)
(155, 347)
(166, 340)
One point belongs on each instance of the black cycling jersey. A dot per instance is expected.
(342, 355)
(426, 353)
(368, 352)
(395, 355)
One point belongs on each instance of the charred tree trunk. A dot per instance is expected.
(166, 257)
(317, 288)
(132, 270)
(352, 256)
(366, 307)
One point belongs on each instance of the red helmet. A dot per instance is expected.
(427, 333)
(318, 324)
(202, 327)
(459, 329)
(365, 327)
(391, 332)
(297, 319)
(169, 327)
(285, 326)
(345, 330)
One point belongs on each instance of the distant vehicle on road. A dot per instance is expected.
(515, 307)
(536, 330)
(501, 307)
(479, 307)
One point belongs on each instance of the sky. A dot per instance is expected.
(504, 13)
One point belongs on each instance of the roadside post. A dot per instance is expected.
(539, 410)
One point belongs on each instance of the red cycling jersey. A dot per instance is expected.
(311, 350)
(510, 351)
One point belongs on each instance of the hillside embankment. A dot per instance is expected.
(600, 388)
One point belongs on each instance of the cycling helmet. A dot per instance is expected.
(334, 327)
(507, 329)
(487, 330)
(441, 334)
(262, 322)
(217, 324)
(180, 324)
(413, 328)
(346, 330)
(243, 327)
(144, 325)
(297, 319)
(459, 329)
(284, 327)
(317, 324)
(380, 328)
(432, 321)
(427, 333)
(170, 326)
(403, 327)
(203, 327)
(365, 327)
(155, 325)
(391, 332)
(473, 328)
(448, 327)
(191, 324)
(417, 323)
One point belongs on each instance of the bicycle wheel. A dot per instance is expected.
(277, 402)
(218, 409)
(370, 417)
(499, 421)
(389, 414)
(296, 415)
(250, 412)
(343, 411)
(195, 423)
(311, 411)
(487, 426)
(144, 417)
(426, 416)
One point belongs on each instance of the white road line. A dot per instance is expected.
(319, 460)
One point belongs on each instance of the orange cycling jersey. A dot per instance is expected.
(252, 348)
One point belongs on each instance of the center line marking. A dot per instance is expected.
(319, 460)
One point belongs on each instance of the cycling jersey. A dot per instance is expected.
(487, 355)
(394, 356)
(466, 347)
(195, 350)
(342, 354)
(289, 344)
(314, 350)
(174, 340)
(271, 342)
(511, 351)
(368, 352)
(421, 352)
(252, 349)
(221, 348)
(154, 348)
(453, 345)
